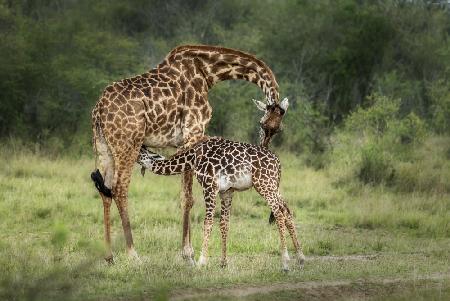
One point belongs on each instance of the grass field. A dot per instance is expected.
(361, 241)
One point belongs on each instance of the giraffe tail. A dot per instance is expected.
(99, 183)
(285, 209)
(271, 218)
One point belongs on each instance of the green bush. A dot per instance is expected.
(440, 108)
(376, 118)
(375, 140)
(411, 129)
(376, 166)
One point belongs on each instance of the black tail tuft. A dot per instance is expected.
(271, 218)
(96, 176)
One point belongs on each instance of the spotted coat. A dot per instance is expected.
(167, 107)
(222, 167)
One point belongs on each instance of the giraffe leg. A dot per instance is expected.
(106, 166)
(226, 198)
(293, 233)
(274, 201)
(122, 206)
(279, 217)
(187, 199)
(124, 166)
(186, 205)
(210, 194)
(107, 223)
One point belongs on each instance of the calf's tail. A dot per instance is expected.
(271, 218)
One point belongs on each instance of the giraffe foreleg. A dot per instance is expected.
(187, 201)
(210, 194)
(226, 198)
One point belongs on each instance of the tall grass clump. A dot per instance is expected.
(376, 166)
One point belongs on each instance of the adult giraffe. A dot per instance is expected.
(168, 106)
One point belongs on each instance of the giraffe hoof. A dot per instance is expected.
(187, 253)
(202, 261)
(285, 270)
(223, 264)
(301, 260)
(109, 259)
(134, 256)
(191, 261)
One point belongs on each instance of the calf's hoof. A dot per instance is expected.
(301, 260)
(109, 259)
(202, 261)
(223, 263)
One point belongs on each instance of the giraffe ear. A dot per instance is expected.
(260, 105)
(284, 104)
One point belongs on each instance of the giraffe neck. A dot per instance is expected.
(218, 64)
(161, 166)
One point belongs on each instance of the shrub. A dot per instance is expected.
(375, 167)
(440, 108)
(411, 129)
(375, 140)
(375, 119)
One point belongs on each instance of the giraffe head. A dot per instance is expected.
(271, 121)
(146, 158)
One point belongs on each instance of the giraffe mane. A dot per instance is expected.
(224, 50)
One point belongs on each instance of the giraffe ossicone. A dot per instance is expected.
(221, 167)
(284, 104)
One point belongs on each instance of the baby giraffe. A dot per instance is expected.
(222, 167)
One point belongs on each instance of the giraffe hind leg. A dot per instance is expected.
(280, 219)
(272, 196)
(289, 223)
(102, 178)
(124, 162)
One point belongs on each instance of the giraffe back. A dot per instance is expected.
(168, 105)
(223, 164)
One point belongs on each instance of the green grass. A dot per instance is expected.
(52, 231)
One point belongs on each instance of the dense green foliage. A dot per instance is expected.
(56, 56)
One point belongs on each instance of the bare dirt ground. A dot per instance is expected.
(319, 290)
(360, 289)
